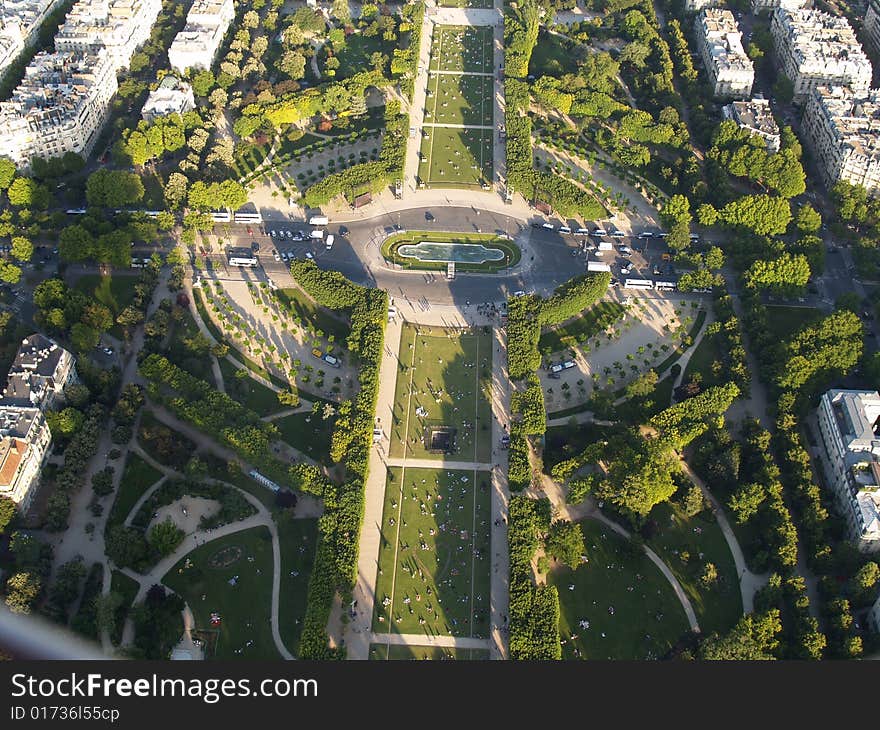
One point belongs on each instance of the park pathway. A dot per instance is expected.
(449, 642)
(437, 464)
(357, 632)
(589, 510)
(749, 582)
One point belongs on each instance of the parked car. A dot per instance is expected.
(276, 255)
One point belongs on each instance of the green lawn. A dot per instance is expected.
(312, 316)
(115, 294)
(564, 442)
(136, 479)
(455, 99)
(219, 469)
(456, 157)
(297, 540)
(431, 653)
(247, 391)
(245, 607)
(579, 330)
(440, 578)
(354, 56)
(783, 322)
(647, 620)
(127, 588)
(248, 157)
(446, 373)
(459, 48)
(718, 605)
(552, 56)
(308, 433)
(706, 353)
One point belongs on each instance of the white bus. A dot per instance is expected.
(248, 217)
(241, 257)
(220, 216)
(665, 285)
(319, 220)
(317, 234)
(605, 246)
(598, 266)
(599, 232)
(638, 284)
(75, 211)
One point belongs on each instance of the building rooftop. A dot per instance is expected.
(854, 117)
(33, 372)
(754, 114)
(724, 39)
(857, 413)
(820, 38)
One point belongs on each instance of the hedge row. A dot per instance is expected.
(215, 413)
(404, 64)
(335, 567)
(534, 610)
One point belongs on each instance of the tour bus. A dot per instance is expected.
(265, 481)
(665, 285)
(242, 257)
(598, 266)
(638, 284)
(582, 232)
(605, 246)
(617, 234)
(220, 216)
(75, 211)
(317, 234)
(559, 367)
(138, 263)
(599, 232)
(248, 216)
(330, 240)
(319, 220)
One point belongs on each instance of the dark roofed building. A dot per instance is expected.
(39, 373)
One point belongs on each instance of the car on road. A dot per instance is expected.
(428, 216)
(255, 246)
(625, 249)
(296, 236)
(343, 231)
(625, 269)
(276, 255)
(250, 231)
(519, 293)
(656, 270)
(626, 254)
(309, 255)
(272, 233)
(377, 434)
(330, 239)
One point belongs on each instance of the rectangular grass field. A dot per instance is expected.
(459, 48)
(434, 555)
(460, 100)
(456, 157)
(442, 381)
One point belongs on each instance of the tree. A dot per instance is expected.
(640, 475)
(753, 638)
(84, 338)
(785, 275)
(808, 219)
(9, 272)
(22, 248)
(125, 546)
(863, 584)
(693, 502)
(65, 423)
(764, 214)
(102, 481)
(22, 590)
(203, 82)
(166, 536)
(67, 582)
(7, 512)
(106, 606)
(113, 188)
(643, 385)
(709, 576)
(340, 11)
(565, 542)
(7, 172)
(176, 189)
(746, 501)
(27, 193)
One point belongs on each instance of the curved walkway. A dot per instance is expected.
(589, 510)
(749, 582)
(200, 537)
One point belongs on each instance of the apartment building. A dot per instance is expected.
(874, 617)
(818, 49)
(756, 117)
(20, 21)
(59, 107)
(36, 381)
(872, 23)
(120, 26)
(172, 96)
(25, 443)
(695, 6)
(842, 128)
(197, 44)
(849, 431)
(730, 70)
(759, 6)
